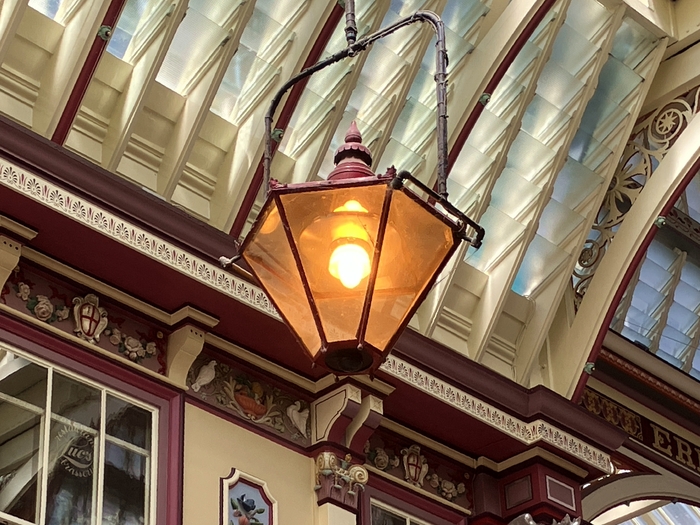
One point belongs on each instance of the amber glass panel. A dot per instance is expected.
(318, 231)
(415, 245)
(271, 260)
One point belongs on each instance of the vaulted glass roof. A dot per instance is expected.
(176, 106)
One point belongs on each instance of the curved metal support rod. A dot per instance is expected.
(361, 45)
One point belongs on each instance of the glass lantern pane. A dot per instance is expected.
(415, 246)
(335, 231)
(270, 258)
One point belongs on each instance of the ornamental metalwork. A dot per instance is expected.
(652, 138)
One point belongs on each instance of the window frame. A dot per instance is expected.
(404, 501)
(130, 383)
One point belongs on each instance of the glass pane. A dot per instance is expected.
(23, 380)
(47, 8)
(128, 422)
(133, 12)
(272, 262)
(335, 231)
(416, 244)
(76, 401)
(384, 517)
(196, 39)
(20, 459)
(71, 494)
(125, 486)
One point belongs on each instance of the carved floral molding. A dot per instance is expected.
(120, 230)
(527, 433)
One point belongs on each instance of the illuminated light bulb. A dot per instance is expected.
(349, 261)
(350, 264)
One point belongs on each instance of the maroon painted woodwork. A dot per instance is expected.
(540, 491)
(86, 73)
(383, 490)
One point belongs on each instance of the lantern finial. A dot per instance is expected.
(352, 159)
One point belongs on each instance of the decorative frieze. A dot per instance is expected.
(528, 433)
(650, 433)
(419, 467)
(81, 314)
(229, 388)
(124, 232)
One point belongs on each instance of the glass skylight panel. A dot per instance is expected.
(195, 41)
(602, 115)
(587, 17)
(617, 80)
(558, 86)
(654, 275)
(537, 265)
(488, 129)
(528, 156)
(512, 193)
(687, 296)
(661, 254)
(574, 183)
(247, 67)
(47, 8)
(588, 151)
(501, 227)
(543, 120)
(133, 14)
(632, 43)
(680, 318)
(557, 222)
(646, 299)
(572, 50)
(472, 168)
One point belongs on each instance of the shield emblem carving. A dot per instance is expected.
(415, 465)
(90, 318)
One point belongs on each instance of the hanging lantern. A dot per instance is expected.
(347, 261)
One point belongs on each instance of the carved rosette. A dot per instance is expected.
(339, 480)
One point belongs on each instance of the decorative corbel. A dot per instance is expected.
(339, 481)
(184, 345)
(526, 519)
(343, 417)
(11, 246)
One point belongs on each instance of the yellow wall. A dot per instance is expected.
(213, 446)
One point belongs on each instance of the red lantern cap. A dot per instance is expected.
(352, 159)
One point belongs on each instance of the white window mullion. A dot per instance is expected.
(46, 440)
(99, 461)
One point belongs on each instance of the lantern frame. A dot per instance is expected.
(357, 356)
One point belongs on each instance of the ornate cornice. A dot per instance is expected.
(525, 432)
(650, 380)
(124, 232)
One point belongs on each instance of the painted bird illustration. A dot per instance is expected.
(245, 511)
(298, 417)
(205, 376)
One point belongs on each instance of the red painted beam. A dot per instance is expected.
(598, 345)
(286, 115)
(88, 71)
(500, 72)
